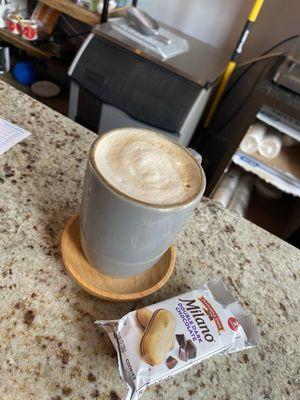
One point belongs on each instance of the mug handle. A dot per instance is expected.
(195, 154)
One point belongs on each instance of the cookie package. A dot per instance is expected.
(160, 340)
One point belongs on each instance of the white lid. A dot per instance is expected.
(249, 144)
(270, 147)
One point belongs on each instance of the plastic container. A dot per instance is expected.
(270, 146)
(227, 186)
(253, 137)
(241, 197)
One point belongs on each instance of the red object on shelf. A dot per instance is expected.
(14, 26)
(30, 31)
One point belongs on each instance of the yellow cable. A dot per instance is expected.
(225, 78)
(232, 64)
(255, 10)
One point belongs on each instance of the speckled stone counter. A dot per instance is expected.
(49, 347)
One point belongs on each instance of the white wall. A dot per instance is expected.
(278, 20)
(220, 22)
(212, 21)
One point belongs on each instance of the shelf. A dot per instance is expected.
(282, 172)
(68, 7)
(25, 45)
(287, 162)
(280, 121)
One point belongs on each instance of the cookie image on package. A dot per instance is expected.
(143, 317)
(158, 337)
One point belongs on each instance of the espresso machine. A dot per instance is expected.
(122, 76)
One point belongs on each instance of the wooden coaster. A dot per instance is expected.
(105, 286)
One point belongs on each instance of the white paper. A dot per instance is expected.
(285, 182)
(10, 134)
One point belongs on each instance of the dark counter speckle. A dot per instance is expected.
(29, 317)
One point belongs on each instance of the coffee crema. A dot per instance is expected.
(147, 167)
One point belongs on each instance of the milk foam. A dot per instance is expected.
(147, 167)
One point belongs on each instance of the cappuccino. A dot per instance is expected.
(147, 167)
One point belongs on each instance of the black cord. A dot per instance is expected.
(242, 104)
(242, 74)
(211, 132)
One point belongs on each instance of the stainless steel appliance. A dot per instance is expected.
(117, 80)
(4, 58)
(288, 74)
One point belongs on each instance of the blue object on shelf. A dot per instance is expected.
(24, 72)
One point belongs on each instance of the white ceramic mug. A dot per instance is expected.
(121, 236)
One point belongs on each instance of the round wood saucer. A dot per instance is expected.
(105, 286)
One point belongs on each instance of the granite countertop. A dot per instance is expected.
(49, 347)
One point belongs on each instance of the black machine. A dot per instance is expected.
(160, 78)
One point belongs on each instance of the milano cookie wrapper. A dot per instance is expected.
(205, 322)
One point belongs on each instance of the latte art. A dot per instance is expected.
(147, 167)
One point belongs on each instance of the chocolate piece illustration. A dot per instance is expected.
(171, 362)
(181, 340)
(182, 354)
(191, 349)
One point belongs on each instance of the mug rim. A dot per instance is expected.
(145, 204)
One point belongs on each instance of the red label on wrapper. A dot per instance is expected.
(211, 312)
(233, 324)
